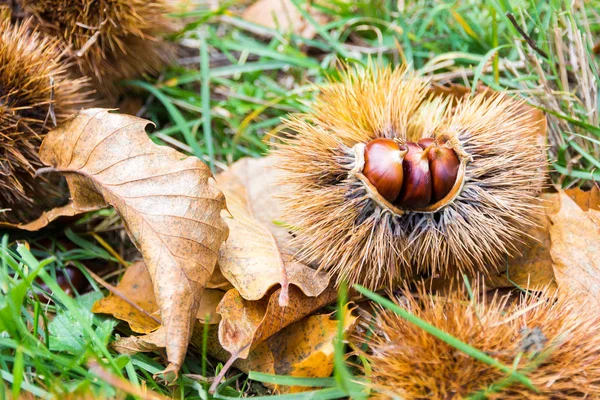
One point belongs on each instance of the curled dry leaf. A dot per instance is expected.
(245, 324)
(302, 349)
(575, 236)
(169, 210)
(68, 210)
(135, 289)
(253, 259)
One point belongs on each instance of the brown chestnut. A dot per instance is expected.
(426, 142)
(383, 167)
(444, 164)
(416, 191)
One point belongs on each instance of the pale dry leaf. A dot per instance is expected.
(135, 287)
(169, 210)
(245, 324)
(253, 259)
(575, 236)
(283, 16)
(259, 182)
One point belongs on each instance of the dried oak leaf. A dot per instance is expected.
(134, 301)
(575, 236)
(253, 259)
(169, 210)
(302, 349)
(245, 324)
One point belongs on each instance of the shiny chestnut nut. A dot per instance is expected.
(416, 190)
(444, 164)
(426, 142)
(383, 167)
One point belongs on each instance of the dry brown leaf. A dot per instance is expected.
(136, 287)
(283, 16)
(253, 259)
(575, 236)
(169, 210)
(245, 324)
(533, 267)
(68, 210)
(585, 199)
(302, 349)
(218, 281)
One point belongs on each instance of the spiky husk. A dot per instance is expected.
(554, 338)
(110, 40)
(33, 86)
(341, 228)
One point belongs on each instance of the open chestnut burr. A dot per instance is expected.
(393, 179)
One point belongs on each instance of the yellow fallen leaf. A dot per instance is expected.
(292, 343)
(532, 268)
(169, 210)
(245, 324)
(136, 288)
(302, 349)
(585, 199)
(575, 236)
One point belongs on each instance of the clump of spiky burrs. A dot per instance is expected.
(550, 340)
(35, 94)
(109, 40)
(344, 226)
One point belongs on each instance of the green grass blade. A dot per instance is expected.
(205, 92)
(34, 390)
(291, 380)
(577, 173)
(484, 60)
(18, 369)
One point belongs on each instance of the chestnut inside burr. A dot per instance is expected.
(412, 175)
